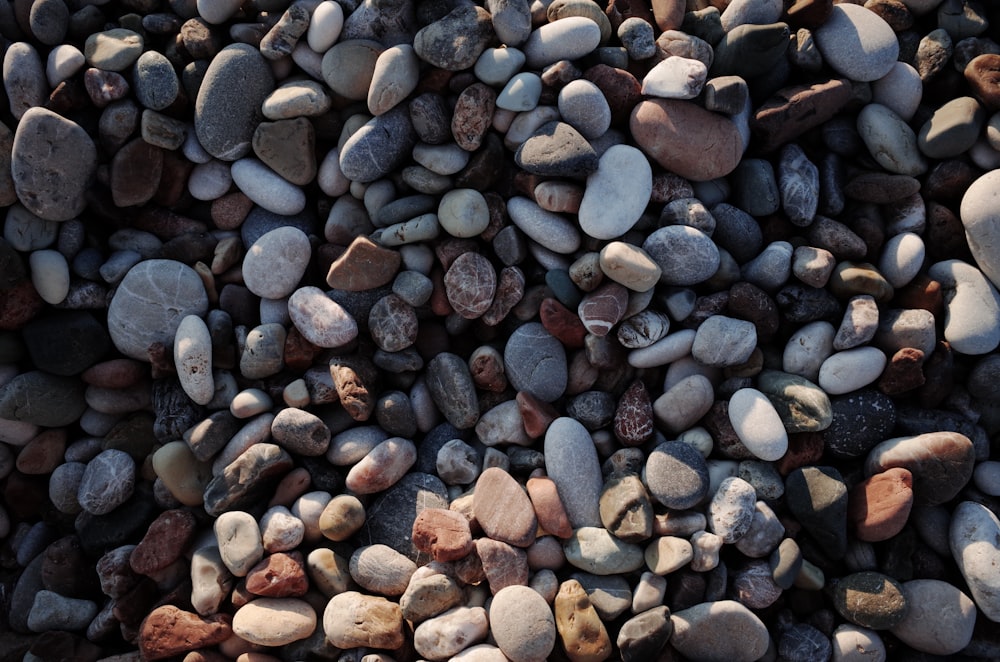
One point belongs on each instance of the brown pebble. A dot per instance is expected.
(880, 506)
(363, 266)
(280, 575)
(169, 631)
(442, 533)
(165, 541)
(622, 90)
(19, 305)
(921, 293)
(804, 449)
(135, 173)
(503, 509)
(808, 13)
(893, 12)
(103, 87)
(794, 110)
(903, 373)
(536, 415)
(983, 76)
(549, 509)
(229, 211)
(503, 564)
(562, 323)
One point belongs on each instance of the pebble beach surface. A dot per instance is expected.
(395, 330)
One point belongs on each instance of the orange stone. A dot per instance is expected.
(880, 506)
(169, 631)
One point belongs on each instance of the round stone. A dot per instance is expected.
(276, 262)
(150, 303)
(676, 475)
(107, 482)
(522, 624)
(463, 213)
(685, 255)
(535, 362)
(857, 43)
(757, 424)
(623, 173)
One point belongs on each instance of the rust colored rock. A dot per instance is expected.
(669, 14)
(622, 90)
(941, 463)
(904, 372)
(880, 506)
(299, 352)
(169, 631)
(509, 292)
(165, 541)
(502, 508)
(686, 139)
(634, 416)
(470, 284)
(280, 575)
(562, 323)
(354, 378)
(581, 631)
(549, 509)
(794, 110)
(442, 533)
(983, 76)
(363, 266)
(114, 373)
(536, 414)
(19, 305)
(923, 293)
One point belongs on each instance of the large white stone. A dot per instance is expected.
(625, 176)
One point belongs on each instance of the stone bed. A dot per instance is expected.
(395, 330)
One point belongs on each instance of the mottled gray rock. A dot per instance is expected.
(535, 362)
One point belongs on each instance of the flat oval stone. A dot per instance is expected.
(952, 129)
(623, 172)
(503, 509)
(274, 621)
(535, 362)
(522, 624)
(723, 341)
(980, 214)
(758, 424)
(939, 619)
(378, 147)
(686, 139)
(568, 38)
(971, 304)
(890, 140)
(551, 230)
(449, 633)
(193, 359)
(227, 109)
(320, 319)
(382, 467)
(452, 389)
(275, 263)
(685, 255)
(870, 599)
(381, 569)
(107, 482)
(594, 550)
(941, 463)
(572, 464)
(470, 284)
(52, 163)
(857, 43)
(722, 631)
(801, 405)
(973, 537)
(150, 303)
(677, 475)
(851, 370)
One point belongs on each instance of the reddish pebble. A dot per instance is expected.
(43, 453)
(503, 564)
(804, 449)
(503, 509)
(165, 541)
(115, 373)
(880, 506)
(103, 87)
(280, 575)
(442, 533)
(562, 323)
(363, 266)
(601, 309)
(904, 372)
(169, 631)
(549, 509)
(536, 414)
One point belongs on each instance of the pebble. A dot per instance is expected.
(890, 140)
(950, 452)
(352, 620)
(857, 43)
(381, 569)
(382, 467)
(550, 230)
(107, 482)
(758, 424)
(939, 620)
(817, 496)
(571, 462)
(320, 319)
(676, 475)
(227, 108)
(685, 255)
(723, 341)
(675, 78)
(880, 506)
(971, 299)
(851, 370)
(580, 629)
(622, 171)
(719, 631)
(673, 131)
(445, 635)
(594, 550)
(274, 621)
(871, 600)
(565, 39)
(522, 624)
(239, 539)
(535, 362)
(51, 611)
(978, 214)
(730, 512)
